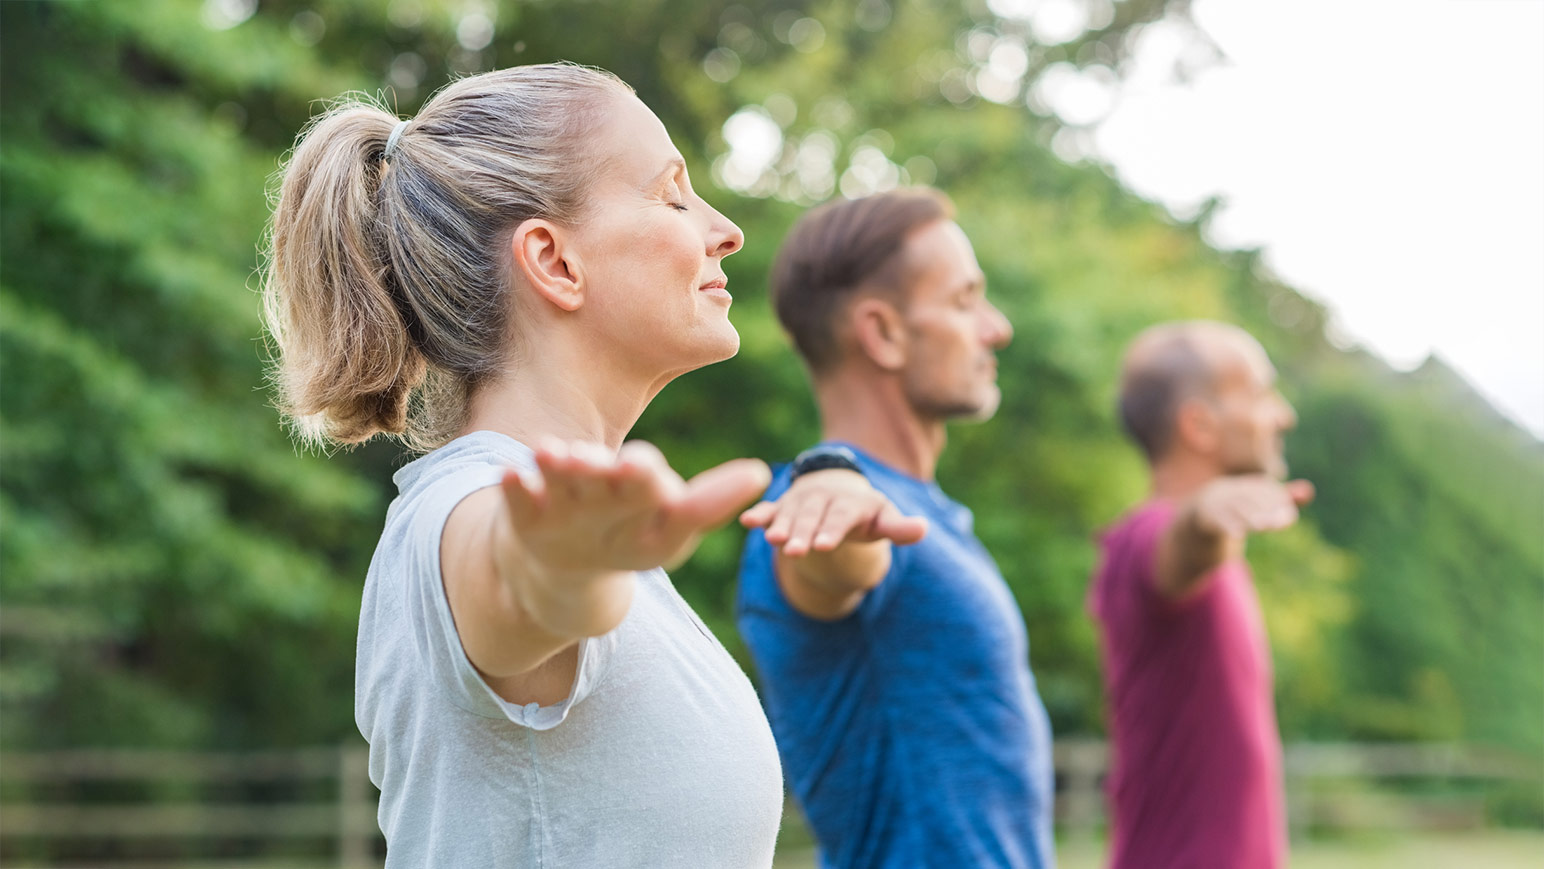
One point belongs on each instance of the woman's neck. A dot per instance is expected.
(564, 401)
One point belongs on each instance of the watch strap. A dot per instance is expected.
(824, 458)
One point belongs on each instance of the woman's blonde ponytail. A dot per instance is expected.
(348, 361)
(385, 290)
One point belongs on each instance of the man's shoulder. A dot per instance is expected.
(1128, 547)
(1138, 526)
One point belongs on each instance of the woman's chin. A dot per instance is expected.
(704, 351)
(724, 345)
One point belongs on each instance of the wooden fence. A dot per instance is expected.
(113, 803)
(1333, 785)
(344, 818)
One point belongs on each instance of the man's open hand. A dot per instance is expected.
(1237, 506)
(824, 509)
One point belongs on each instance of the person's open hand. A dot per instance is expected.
(824, 509)
(588, 509)
(1236, 506)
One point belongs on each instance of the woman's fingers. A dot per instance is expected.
(651, 513)
(582, 476)
(713, 497)
(555, 461)
(524, 495)
(589, 473)
(635, 479)
(634, 493)
(644, 479)
(706, 501)
(642, 452)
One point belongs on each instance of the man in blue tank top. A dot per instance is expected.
(894, 662)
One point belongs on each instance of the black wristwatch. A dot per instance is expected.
(825, 457)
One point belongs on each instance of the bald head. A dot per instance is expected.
(1169, 364)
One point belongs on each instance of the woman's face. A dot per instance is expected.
(652, 253)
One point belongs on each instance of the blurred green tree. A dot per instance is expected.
(174, 573)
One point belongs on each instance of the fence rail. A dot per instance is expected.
(343, 816)
(1311, 770)
(76, 797)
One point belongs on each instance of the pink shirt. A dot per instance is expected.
(1195, 781)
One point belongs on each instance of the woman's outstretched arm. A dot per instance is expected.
(547, 558)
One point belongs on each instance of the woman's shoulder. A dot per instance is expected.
(481, 451)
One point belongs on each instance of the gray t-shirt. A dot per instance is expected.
(660, 755)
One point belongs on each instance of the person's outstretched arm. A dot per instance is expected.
(545, 559)
(1209, 527)
(832, 534)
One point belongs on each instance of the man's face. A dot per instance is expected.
(1252, 414)
(952, 331)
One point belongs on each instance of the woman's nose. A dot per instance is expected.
(724, 237)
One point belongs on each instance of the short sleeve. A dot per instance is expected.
(429, 614)
(874, 603)
(1142, 548)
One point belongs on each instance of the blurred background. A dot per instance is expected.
(179, 586)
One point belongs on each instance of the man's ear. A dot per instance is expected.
(541, 254)
(879, 332)
(1196, 426)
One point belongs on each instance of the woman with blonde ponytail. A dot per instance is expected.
(504, 282)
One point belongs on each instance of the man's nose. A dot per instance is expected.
(997, 330)
(1288, 413)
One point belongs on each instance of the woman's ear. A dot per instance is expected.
(540, 254)
(880, 335)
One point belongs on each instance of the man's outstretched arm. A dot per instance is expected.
(1209, 527)
(831, 534)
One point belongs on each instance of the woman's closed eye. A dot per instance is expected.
(678, 196)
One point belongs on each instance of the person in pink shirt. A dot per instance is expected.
(1196, 774)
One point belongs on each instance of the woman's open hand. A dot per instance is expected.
(587, 509)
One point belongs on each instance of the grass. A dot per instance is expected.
(1480, 849)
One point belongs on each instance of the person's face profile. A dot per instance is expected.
(953, 331)
(1253, 415)
(652, 249)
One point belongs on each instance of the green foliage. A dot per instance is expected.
(158, 526)
(1443, 512)
(174, 573)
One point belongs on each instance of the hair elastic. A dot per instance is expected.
(391, 141)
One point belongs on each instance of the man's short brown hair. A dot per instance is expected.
(838, 248)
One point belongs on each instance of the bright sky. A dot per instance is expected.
(1388, 156)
